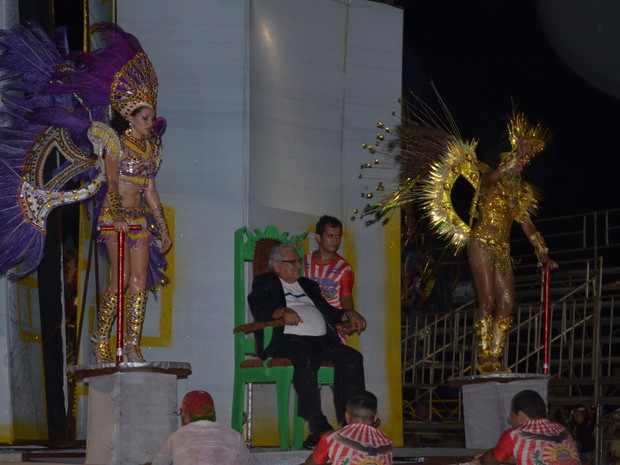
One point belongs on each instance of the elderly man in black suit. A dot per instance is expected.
(308, 337)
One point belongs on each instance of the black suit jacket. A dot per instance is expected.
(267, 295)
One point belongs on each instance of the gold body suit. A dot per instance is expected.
(499, 205)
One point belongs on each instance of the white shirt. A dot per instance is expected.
(313, 321)
(203, 443)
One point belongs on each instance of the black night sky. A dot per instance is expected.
(483, 55)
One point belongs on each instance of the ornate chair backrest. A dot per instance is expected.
(262, 248)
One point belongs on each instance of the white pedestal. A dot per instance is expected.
(486, 405)
(131, 410)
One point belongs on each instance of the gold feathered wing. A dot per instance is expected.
(435, 191)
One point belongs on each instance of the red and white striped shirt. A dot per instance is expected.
(354, 444)
(538, 442)
(335, 279)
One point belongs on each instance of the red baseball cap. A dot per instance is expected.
(198, 403)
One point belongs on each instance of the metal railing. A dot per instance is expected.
(583, 335)
(437, 347)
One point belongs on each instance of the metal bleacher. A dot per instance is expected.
(584, 315)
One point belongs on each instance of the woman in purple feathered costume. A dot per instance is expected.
(90, 93)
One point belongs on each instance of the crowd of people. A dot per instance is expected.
(532, 438)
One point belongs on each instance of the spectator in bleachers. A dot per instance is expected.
(581, 426)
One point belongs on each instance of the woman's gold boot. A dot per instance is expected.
(482, 330)
(135, 311)
(499, 333)
(106, 313)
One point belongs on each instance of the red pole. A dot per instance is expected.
(546, 349)
(120, 320)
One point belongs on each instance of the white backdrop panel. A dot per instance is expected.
(297, 57)
(372, 89)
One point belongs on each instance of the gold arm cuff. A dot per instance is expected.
(540, 248)
(160, 218)
(114, 204)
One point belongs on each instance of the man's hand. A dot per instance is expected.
(120, 224)
(356, 321)
(345, 327)
(291, 317)
(488, 458)
(309, 461)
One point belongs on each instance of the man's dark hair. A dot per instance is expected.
(530, 403)
(327, 220)
(362, 407)
(193, 417)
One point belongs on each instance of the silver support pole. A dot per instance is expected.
(9, 13)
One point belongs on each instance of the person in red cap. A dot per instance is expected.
(200, 440)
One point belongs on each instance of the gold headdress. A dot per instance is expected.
(526, 140)
(134, 86)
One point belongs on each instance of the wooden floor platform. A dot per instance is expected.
(259, 456)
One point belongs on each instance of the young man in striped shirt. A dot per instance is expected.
(358, 443)
(332, 272)
(533, 439)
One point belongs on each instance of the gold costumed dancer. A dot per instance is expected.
(432, 155)
(502, 198)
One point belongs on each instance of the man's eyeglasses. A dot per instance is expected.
(293, 261)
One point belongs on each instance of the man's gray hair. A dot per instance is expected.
(275, 255)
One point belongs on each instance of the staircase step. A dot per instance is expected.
(413, 425)
(570, 381)
(577, 400)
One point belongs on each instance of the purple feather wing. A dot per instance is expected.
(28, 57)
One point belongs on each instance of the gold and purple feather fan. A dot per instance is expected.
(28, 58)
(418, 141)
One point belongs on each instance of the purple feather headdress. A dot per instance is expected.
(119, 74)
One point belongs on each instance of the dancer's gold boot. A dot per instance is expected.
(483, 329)
(106, 313)
(135, 311)
(489, 362)
(499, 333)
